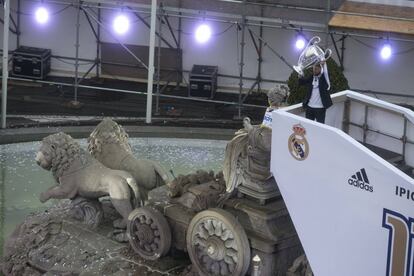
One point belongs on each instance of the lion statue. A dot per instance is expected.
(108, 143)
(80, 175)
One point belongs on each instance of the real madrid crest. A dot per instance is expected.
(297, 144)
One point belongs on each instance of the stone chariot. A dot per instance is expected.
(223, 220)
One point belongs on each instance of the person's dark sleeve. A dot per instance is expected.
(303, 81)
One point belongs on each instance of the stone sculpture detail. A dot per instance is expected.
(78, 174)
(197, 191)
(108, 143)
(300, 267)
(198, 212)
(247, 157)
(88, 211)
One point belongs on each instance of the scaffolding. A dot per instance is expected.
(243, 22)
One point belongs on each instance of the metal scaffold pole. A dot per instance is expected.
(179, 78)
(5, 67)
(328, 17)
(18, 24)
(2, 200)
(77, 52)
(98, 44)
(157, 102)
(151, 60)
(242, 44)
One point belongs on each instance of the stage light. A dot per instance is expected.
(300, 42)
(203, 33)
(121, 24)
(42, 15)
(386, 51)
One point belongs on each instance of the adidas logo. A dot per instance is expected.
(360, 180)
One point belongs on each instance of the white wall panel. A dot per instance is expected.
(357, 113)
(334, 116)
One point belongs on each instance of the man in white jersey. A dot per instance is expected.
(317, 98)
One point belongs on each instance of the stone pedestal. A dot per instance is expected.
(277, 258)
(271, 233)
(261, 191)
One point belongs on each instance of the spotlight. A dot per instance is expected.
(42, 15)
(386, 51)
(203, 33)
(300, 42)
(121, 24)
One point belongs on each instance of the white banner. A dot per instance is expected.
(353, 211)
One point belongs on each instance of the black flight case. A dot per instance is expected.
(30, 62)
(203, 81)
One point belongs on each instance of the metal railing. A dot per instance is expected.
(137, 92)
(365, 127)
(348, 97)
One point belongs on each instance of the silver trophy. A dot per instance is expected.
(311, 55)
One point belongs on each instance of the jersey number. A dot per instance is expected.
(401, 233)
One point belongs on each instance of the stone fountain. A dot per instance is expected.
(229, 223)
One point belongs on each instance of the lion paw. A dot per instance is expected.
(120, 223)
(120, 236)
(43, 197)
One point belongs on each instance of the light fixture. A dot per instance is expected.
(386, 51)
(203, 33)
(300, 42)
(121, 24)
(41, 15)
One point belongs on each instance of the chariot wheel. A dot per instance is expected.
(217, 244)
(149, 233)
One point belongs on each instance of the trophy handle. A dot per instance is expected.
(314, 40)
(329, 53)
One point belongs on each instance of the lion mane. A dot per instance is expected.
(107, 132)
(64, 150)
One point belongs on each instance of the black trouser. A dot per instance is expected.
(316, 113)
